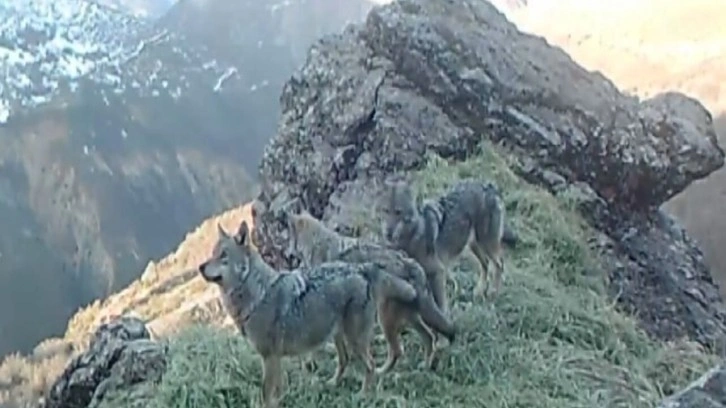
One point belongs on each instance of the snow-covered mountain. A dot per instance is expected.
(47, 46)
(151, 9)
(119, 133)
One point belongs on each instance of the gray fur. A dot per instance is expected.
(470, 214)
(289, 313)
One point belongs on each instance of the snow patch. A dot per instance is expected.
(4, 111)
(220, 81)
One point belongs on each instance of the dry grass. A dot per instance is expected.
(553, 340)
(25, 380)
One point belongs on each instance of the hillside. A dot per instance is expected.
(605, 360)
(121, 133)
(678, 46)
(608, 301)
(552, 341)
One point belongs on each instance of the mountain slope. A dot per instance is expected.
(262, 43)
(444, 91)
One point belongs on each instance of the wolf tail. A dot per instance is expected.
(387, 285)
(435, 318)
(431, 218)
(500, 228)
(493, 211)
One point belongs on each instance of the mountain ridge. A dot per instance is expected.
(368, 102)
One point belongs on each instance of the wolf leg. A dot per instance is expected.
(271, 371)
(391, 326)
(343, 359)
(427, 338)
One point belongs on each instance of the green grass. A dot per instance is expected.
(551, 340)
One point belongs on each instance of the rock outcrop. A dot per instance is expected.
(645, 57)
(709, 391)
(120, 355)
(440, 76)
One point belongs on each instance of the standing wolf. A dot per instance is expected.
(315, 244)
(471, 214)
(291, 314)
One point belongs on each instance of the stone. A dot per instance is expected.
(121, 354)
(708, 391)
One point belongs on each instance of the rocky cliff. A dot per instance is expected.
(120, 133)
(675, 48)
(438, 77)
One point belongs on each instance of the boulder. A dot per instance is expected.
(120, 354)
(708, 391)
(438, 76)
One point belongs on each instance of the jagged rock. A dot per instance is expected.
(121, 354)
(438, 76)
(709, 391)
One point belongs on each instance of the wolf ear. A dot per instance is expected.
(294, 221)
(222, 233)
(242, 237)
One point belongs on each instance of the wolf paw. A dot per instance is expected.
(430, 363)
(481, 290)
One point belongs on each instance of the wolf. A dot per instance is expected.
(315, 244)
(436, 231)
(292, 314)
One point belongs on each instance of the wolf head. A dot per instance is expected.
(230, 260)
(398, 203)
(303, 228)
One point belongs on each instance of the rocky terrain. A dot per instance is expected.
(674, 48)
(444, 90)
(121, 133)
